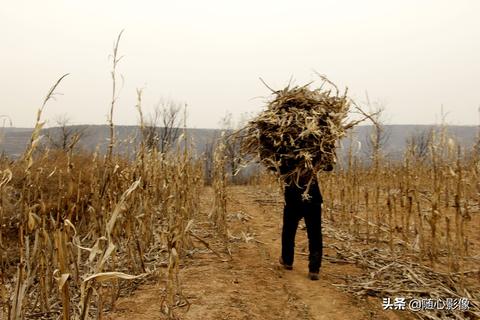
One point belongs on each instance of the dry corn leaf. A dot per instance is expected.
(105, 276)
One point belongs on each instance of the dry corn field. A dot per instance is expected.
(106, 235)
(80, 233)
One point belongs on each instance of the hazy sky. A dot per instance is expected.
(410, 55)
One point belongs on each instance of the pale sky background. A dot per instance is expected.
(410, 55)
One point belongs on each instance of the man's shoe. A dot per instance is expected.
(285, 266)
(313, 275)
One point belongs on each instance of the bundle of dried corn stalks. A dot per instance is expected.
(295, 135)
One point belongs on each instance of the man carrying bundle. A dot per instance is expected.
(310, 209)
(295, 137)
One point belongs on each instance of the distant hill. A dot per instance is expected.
(13, 141)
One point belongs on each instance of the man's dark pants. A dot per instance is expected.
(311, 210)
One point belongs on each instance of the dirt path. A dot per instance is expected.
(252, 285)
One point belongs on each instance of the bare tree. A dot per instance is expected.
(150, 131)
(163, 126)
(65, 137)
(232, 145)
(419, 143)
(379, 136)
(476, 147)
(209, 157)
(5, 119)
